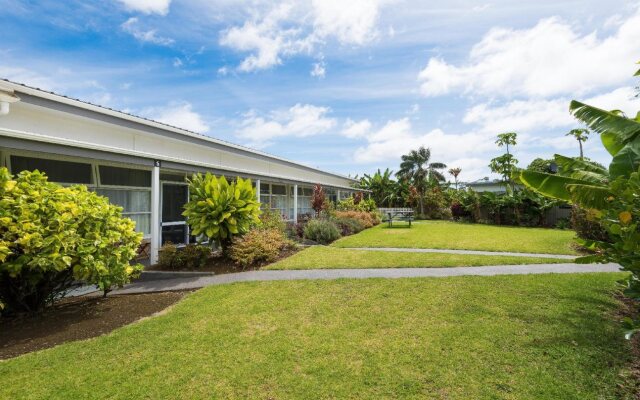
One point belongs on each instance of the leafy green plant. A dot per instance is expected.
(257, 246)
(192, 256)
(321, 231)
(350, 204)
(221, 210)
(270, 219)
(51, 236)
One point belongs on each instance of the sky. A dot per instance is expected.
(345, 86)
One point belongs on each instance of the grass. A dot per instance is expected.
(319, 257)
(507, 337)
(452, 235)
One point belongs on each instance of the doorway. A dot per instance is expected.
(173, 224)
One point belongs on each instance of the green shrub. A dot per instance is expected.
(349, 226)
(321, 231)
(270, 219)
(191, 256)
(51, 236)
(357, 204)
(257, 246)
(368, 219)
(586, 224)
(220, 210)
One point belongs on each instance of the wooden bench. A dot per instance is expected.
(398, 215)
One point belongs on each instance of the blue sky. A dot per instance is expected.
(344, 86)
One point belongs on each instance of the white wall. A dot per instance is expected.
(60, 125)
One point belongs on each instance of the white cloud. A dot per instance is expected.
(148, 6)
(469, 151)
(148, 36)
(291, 28)
(549, 59)
(353, 129)
(178, 114)
(301, 120)
(535, 115)
(319, 70)
(28, 77)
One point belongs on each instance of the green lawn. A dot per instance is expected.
(504, 337)
(452, 235)
(319, 257)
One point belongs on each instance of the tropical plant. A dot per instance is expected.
(455, 172)
(381, 185)
(221, 210)
(505, 164)
(542, 165)
(581, 135)
(417, 169)
(318, 199)
(192, 256)
(611, 196)
(51, 236)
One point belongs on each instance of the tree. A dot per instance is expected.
(221, 210)
(417, 169)
(380, 184)
(581, 135)
(318, 200)
(541, 165)
(455, 172)
(505, 164)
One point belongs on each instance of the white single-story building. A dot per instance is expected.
(140, 164)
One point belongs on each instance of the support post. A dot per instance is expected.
(295, 203)
(337, 196)
(258, 190)
(155, 213)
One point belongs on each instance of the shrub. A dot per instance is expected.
(295, 230)
(321, 231)
(587, 226)
(51, 236)
(349, 226)
(191, 256)
(219, 209)
(367, 219)
(270, 219)
(259, 245)
(357, 204)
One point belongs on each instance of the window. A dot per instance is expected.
(136, 204)
(274, 196)
(57, 170)
(304, 200)
(116, 176)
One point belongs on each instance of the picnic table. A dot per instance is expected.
(399, 215)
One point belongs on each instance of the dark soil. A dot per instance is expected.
(78, 318)
(220, 264)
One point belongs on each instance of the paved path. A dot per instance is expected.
(286, 275)
(448, 251)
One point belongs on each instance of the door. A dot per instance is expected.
(174, 225)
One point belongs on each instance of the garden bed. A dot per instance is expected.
(220, 264)
(78, 318)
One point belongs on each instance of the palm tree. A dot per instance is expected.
(455, 172)
(380, 184)
(506, 139)
(581, 136)
(416, 169)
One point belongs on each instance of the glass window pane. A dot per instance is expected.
(56, 170)
(116, 176)
(278, 189)
(172, 177)
(174, 197)
(175, 234)
(264, 188)
(129, 200)
(143, 222)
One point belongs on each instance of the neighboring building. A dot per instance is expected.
(139, 164)
(486, 185)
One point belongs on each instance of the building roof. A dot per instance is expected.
(6, 84)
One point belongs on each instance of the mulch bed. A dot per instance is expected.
(78, 318)
(219, 264)
(630, 385)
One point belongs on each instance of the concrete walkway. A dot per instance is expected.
(449, 251)
(360, 273)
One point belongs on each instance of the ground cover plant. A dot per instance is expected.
(452, 235)
(323, 257)
(517, 337)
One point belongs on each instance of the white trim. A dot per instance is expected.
(110, 149)
(155, 215)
